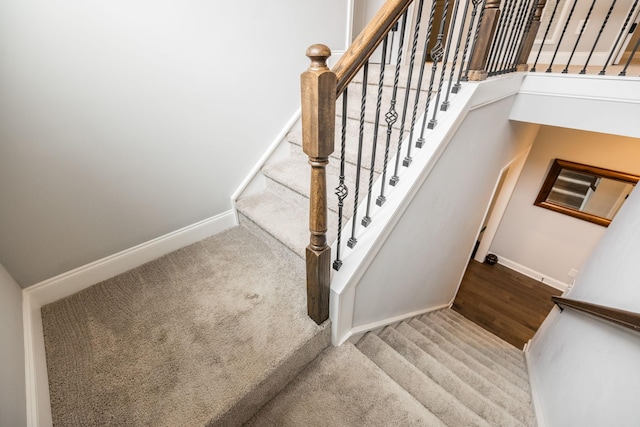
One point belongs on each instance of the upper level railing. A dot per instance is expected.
(472, 40)
(627, 319)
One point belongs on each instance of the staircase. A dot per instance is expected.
(438, 369)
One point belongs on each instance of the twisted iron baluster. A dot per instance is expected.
(456, 88)
(392, 116)
(421, 76)
(624, 27)
(524, 22)
(341, 190)
(433, 122)
(367, 218)
(546, 33)
(445, 104)
(584, 25)
(363, 104)
(564, 30)
(394, 179)
(604, 23)
(498, 40)
(633, 53)
(475, 39)
(407, 160)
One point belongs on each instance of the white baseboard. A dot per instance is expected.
(357, 332)
(48, 291)
(529, 272)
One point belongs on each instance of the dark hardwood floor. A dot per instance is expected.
(504, 302)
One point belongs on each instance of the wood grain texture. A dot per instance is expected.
(628, 319)
(367, 41)
(504, 302)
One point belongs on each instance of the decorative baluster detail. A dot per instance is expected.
(501, 34)
(622, 32)
(530, 36)
(433, 122)
(633, 53)
(416, 32)
(318, 85)
(514, 12)
(564, 30)
(392, 115)
(363, 104)
(584, 25)
(486, 31)
(367, 218)
(604, 23)
(474, 12)
(394, 179)
(436, 54)
(445, 104)
(341, 190)
(524, 22)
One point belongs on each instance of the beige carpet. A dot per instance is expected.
(206, 334)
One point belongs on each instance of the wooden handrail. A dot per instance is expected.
(628, 319)
(367, 41)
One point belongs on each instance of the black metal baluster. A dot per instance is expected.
(564, 30)
(456, 88)
(392, 116)
(341, 190)
(512, 24)
(622, 30)
(584, 25)
(367, 218)
(394, 179)
(433, 122)
(414, 114)
(633, 53)
(363, 104)
(604, 23)
(523, 25)
(498, 41)
(445, 103)
(475, 39)
(407, 160)
(544, 38)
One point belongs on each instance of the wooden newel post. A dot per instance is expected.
(318, 133)
(486, 32)
(529, 38)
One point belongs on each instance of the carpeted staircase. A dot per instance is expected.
(434, 370)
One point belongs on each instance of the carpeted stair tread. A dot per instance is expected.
(292, 175)
(485, 408)
(487, 339)
(283, 219)
(461, 320)
(437, 400)
(352, 138)
(494, 388)
(506, 370)
(479, 368)
(205, 334)
(515, 364)
(343, 388)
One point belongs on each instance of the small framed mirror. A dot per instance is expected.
(586, 192)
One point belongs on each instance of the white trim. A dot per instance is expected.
(255, 170)
(533, 384)
(63, 285)
(379, 324)
(351, 4)
(529, 272)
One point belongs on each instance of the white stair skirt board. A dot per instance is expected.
(51, 290)
(529, 272)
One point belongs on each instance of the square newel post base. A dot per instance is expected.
(318, 283)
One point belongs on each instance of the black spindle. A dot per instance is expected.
(433, 122)
(456, 88)
(523, 24)
(604, 23)
(622, 30)
(475, 39)
(445, 103)
(633, 53)
(341, 190)
(584, 25)
(564, 30)
(497, 46)
(546, 33)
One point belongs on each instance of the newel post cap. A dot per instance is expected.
(318, 53)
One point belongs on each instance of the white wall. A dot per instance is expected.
(422, 262)
(585, 371)
(13, 407)
(545, 241)
(125, 120)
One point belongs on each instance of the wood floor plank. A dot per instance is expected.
(505, 302)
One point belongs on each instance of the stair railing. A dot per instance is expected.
(627, 319)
